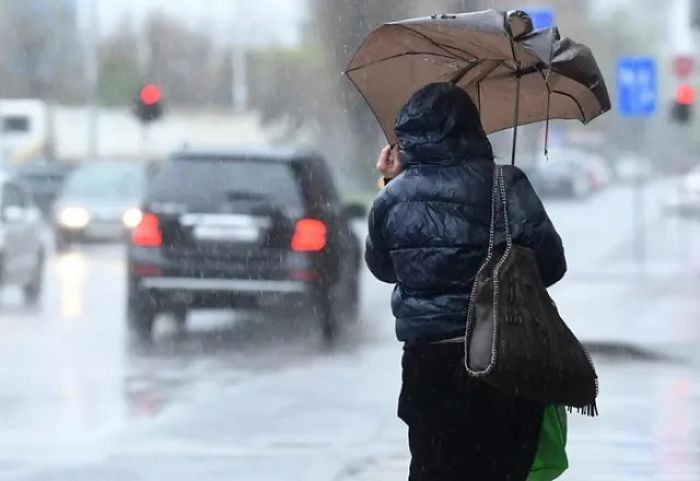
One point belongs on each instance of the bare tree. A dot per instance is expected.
(120, 74)
(41, 54)
(287, 86)
(183, 61)
(340, 26)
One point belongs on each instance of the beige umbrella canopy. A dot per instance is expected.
(515, 75)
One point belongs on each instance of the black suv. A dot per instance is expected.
(243, 228)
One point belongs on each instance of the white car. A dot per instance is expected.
(631, 169)
(99, 201)
(21, 246)
(600, 174)
(685, 194)
(564, 173)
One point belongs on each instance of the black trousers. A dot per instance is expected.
(460, 429)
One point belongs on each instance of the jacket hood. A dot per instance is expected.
(440, 125)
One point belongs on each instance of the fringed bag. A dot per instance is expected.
(515, 338)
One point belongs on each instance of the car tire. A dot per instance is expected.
(330, 321)
(325, 313)
(351, 301)
(141, 313)
(339, 308)
(32, 290)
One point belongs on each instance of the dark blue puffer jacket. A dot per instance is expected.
(429, 227)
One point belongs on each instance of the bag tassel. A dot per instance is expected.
(590, 410)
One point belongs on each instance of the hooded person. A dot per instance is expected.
(428, 235)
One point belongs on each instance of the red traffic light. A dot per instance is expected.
(150, 94)
(685, 94)
(683, 65)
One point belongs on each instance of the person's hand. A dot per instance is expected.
(388, 162)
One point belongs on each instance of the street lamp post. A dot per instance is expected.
(92, 74)
(239, 64)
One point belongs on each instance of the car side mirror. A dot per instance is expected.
(355, 211)
(13, 214)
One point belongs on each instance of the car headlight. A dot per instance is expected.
(132, 217)
(73, 217)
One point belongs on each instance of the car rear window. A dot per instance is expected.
(213, 182)
(117, 181)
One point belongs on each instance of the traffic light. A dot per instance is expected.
(148, 103)
(682, 110)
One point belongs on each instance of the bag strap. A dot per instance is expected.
(494, 201)
(499, 189)
(504, 203)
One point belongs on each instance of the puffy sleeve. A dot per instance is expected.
(532, 227)
(377, 254)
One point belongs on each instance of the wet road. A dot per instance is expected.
(243, 398)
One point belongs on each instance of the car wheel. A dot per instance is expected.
(339, 308)
(351, 300)
(330, 322)
(32, 290)
(141, 313)
(326, 314)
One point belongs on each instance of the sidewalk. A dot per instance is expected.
(646, 431)
(616, 300)
(649, 405)
(649, 409)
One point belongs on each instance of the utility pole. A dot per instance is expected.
(92, 77)
(239, 62)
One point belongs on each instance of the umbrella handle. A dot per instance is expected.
(546, 128)
(517, 113)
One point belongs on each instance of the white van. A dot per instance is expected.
(24, 131)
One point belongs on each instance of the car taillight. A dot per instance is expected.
(309, 236)
(145, 270)
(303, 275)
(147, 232)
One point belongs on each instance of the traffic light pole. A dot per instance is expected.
(145, 139)
(639, 223)
(638, 214)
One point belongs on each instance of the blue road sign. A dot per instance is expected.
(636, 86)
(542, 17)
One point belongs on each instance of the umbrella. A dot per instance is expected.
(514, 74)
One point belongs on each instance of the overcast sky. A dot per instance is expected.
(262, 21)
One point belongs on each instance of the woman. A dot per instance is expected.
(428, 234)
